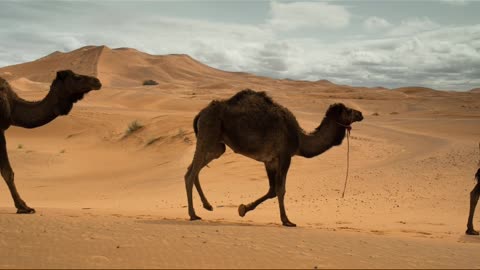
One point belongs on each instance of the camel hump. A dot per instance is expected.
(249, 95)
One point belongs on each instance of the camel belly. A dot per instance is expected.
(250, 147)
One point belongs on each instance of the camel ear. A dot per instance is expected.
(335, 110)
(63, 74)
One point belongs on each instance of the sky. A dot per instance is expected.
(386, 43)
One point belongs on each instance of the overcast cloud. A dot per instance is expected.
(391, 43)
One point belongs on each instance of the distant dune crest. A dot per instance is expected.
(129, 67)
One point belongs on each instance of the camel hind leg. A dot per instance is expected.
(474, 195)
(8, 175)
(207, 149)
(217, 152)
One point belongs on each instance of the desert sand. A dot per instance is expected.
(110, 200)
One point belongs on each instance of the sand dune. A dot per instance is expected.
(107, 199)
(475, 90)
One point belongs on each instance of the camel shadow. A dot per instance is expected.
(470, 239)
(7, 211)
(215, 223)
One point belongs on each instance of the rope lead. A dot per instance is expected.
(348, 162)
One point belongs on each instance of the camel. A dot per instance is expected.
(474, 195)
(255, 126)
(66, 89)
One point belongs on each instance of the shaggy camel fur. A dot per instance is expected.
(253, 125)
(66, 89)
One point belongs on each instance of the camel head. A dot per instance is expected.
(343, 115)
(70, 87)
(74, 86)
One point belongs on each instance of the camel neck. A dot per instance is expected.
(32, 114)
(327, 135)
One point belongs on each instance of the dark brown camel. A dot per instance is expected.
(474, 195)
(66, 89)
(253, 125)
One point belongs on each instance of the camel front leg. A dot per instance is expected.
(280, 190)
(271, 172)
(8, 175)
(474, 195)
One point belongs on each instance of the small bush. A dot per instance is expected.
(375, 114)
(132, 127)
(181, 133)
(20, 146)
(150, 82)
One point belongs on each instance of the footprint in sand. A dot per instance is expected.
(98, 259)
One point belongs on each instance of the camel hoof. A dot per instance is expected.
(242, 210)
(289, 224)
(195, 217)
(471, 232)
(209, 207)
(27, 210)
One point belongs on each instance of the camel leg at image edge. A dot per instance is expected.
(474, 195)
(280, 190)
(8, 176)
(271, 172)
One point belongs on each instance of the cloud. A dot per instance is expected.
(445, 58)
(412, 26)
(417, 51)
(295, 15)
(273, 58)
(374, 24)
(456, 2)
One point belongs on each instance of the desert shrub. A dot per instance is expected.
(132, 127)
(150, 82)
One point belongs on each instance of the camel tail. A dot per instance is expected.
(195, 127)
(477, 176)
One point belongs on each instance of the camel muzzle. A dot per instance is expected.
(357, 116)
(96, 84)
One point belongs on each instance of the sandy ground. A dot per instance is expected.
(108, 200)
